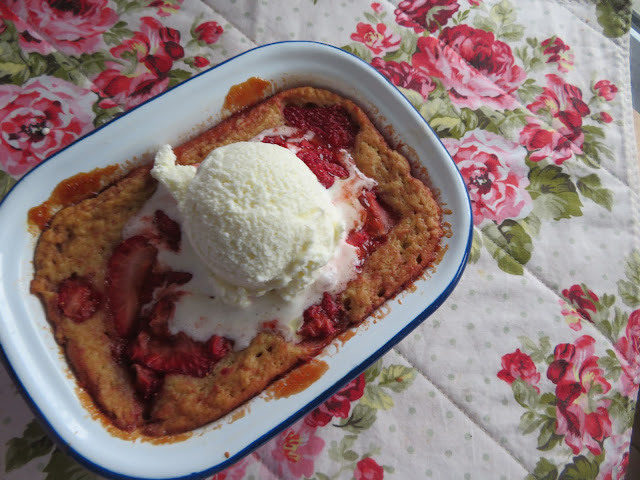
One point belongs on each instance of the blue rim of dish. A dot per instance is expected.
(432, 307)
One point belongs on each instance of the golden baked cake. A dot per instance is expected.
(111, 301)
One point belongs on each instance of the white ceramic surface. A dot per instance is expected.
(35, 359)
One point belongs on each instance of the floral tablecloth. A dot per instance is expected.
(531, 368)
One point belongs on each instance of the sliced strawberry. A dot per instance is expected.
(161, 313)
(275, 140)
(319, 321)
(323, 164)
(179, 354)
(333, 123)
(218, 347)
(378, 221)
(158, 280)
(127, 271)
(78, 299)
(147, 382)
(169, 229)
(358, 238)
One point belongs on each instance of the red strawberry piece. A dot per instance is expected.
(358, 238)
(333, 124)
(179, 354)
(218, 347)
(127, 271)
(77, 298)
(378, 221)
(330, 306)
(161, 313)
(169, 229)
(322, 163)
(320, 320)
(275, 140)
(157, 280)
(147, 382)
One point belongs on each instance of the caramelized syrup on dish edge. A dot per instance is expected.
(71, 191)
(246, 94)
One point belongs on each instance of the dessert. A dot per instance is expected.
(178, 293)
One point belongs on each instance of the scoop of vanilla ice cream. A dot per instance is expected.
(256, 215)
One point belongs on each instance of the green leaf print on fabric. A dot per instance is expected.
(34, 443)
(580, 469)
(501, 21)
(629, 290)
(63, 467)
(6, 182)
(509, 244)
(553, 193)
(361, 418)
(614, 16)
(397, 377)
(591, 187)
(544, 470)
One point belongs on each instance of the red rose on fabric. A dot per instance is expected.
(165, 7)
(582, 301)
(402, 74)
(606, 89)
(425, 14)
(69, 27)
(605, 117)
(338, 405)
(209, 32)
(154, 49)
(39, 118)
(380, 39)
(376, 7)
(476, 68)
(629, 348)
(557, 132)
(558, 52)
(200, 62)
(519, 365)
(581, 411)
(368, 469)
(495, 172)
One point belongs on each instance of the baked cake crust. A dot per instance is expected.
(81, 238)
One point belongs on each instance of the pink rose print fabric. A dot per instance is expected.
(379, 39)
(519, 365)
(495, 172)
(424, 15)
(368, 469)
(69, 27)
(209, 32)
(295, 451)
(403, 74)
(629, 348)
(559, 53)
(337, 406)
(581, 417)
(39, 118)
(142, 66)
(557, 133)
(475, 67)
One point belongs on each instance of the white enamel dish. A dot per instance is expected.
(35, 360)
